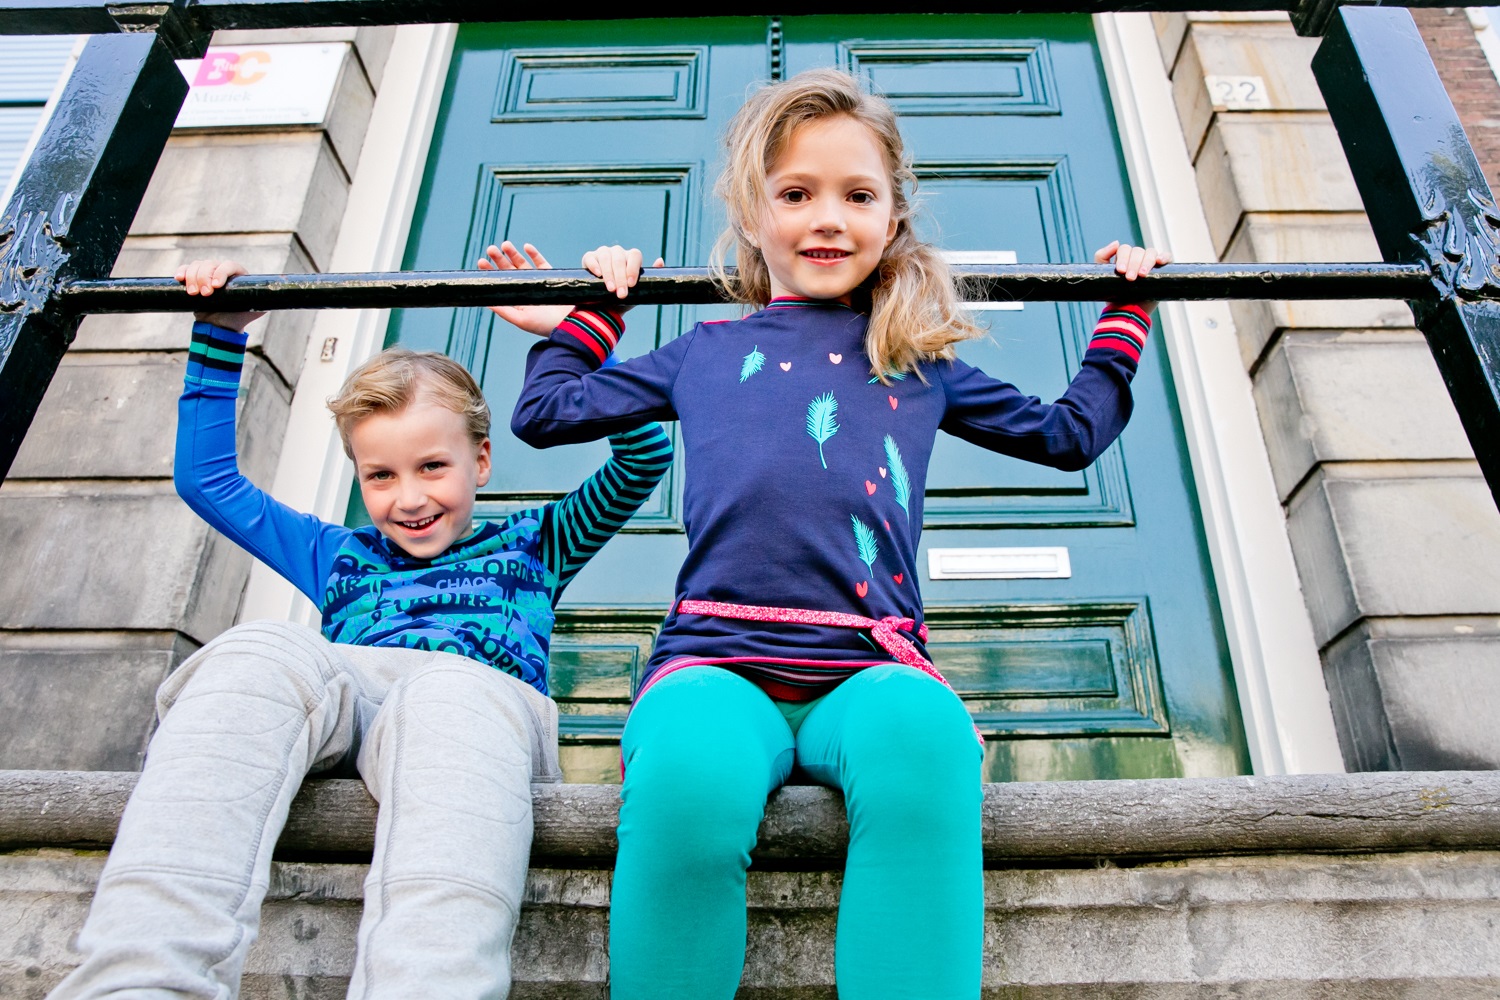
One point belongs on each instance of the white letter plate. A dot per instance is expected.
(1033, 563)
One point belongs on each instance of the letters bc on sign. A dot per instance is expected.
(261, 85)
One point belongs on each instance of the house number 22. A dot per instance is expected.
(1238, 93)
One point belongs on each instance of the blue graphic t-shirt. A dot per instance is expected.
(489, 596)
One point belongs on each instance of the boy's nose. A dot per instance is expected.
(411, 498)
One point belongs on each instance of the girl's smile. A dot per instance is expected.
(828, 213)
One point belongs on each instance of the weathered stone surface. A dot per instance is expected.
(1311, 173)
(106, 555)
(1271, 51)
(81, 700)
(349, 113)
(281, 336)
(1388, 539)
(1172, 27)
(1418, 692)
(285, 182)
(1293, 927)
(1054, 821)
(1330, 397)
(1290, 237)
(115, 416)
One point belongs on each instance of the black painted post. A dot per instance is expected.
(1426, 197)
(74, 202)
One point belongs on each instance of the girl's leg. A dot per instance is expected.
(703, 748)
(243, 721)
(450, 758)
(911, 917)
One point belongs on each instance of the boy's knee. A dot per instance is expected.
(459, 702)
(251, 659)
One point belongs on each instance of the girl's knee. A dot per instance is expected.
(905, 713)
(712, 787)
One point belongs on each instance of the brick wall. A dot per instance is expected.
(1469, 79)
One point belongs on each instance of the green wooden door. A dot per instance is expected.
(570, 135)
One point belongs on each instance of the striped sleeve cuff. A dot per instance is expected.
(215, 356)
(1123, 329)
(598, 330)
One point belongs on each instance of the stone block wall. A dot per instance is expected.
(1394, 531)
(126, 581)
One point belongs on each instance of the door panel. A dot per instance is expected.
(552, 134)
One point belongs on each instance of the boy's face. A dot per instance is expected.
(418, 471)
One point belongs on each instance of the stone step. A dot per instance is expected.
(1329, 886)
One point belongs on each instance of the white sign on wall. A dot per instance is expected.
(261, 85)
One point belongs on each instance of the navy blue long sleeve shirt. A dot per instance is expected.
(805, 476)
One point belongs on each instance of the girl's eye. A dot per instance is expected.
(794, 197)
(432, 466)
(862, 198)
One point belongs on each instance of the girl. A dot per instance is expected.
(797, 635)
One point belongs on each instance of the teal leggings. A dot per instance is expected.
(704, 748)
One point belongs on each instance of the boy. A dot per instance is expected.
(429, 678)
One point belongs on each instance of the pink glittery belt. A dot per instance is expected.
(885, 631)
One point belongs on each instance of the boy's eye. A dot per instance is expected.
(431, 466)
(379, 475)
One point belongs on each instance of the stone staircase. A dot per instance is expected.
(1365, 886)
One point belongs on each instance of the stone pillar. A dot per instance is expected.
(1394, 532)
(111, 581)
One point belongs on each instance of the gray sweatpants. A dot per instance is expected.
(446, 745)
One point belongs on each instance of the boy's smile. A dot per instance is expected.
(418, 470)
(827, 218)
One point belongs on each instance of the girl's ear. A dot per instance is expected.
(890, 232)
(482, 459)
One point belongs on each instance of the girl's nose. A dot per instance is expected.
(829, 217)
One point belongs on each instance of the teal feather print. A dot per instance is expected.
(753, 362)
(900, 481)
(869, 548)
(820, 421)
(898, 376)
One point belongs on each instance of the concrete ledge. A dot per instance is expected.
(1404, 926)
(1025, 822)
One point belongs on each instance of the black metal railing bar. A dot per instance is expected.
(694, 285)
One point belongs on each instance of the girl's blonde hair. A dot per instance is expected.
(916, 313)
(393, 379)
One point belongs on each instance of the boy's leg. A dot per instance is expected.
(703, 748)
(911, 916)
(242, 722)
(451, 757)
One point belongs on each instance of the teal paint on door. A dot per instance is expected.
(572, 135)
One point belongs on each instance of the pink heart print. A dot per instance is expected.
(869, 487)
(836, 358)
(893, 401)
(786, 366)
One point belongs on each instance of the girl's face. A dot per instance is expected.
(829, 212)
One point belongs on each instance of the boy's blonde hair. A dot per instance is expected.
(396, 377)
(916, 313)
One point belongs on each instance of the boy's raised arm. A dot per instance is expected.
(578, 525)
(206, 469)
